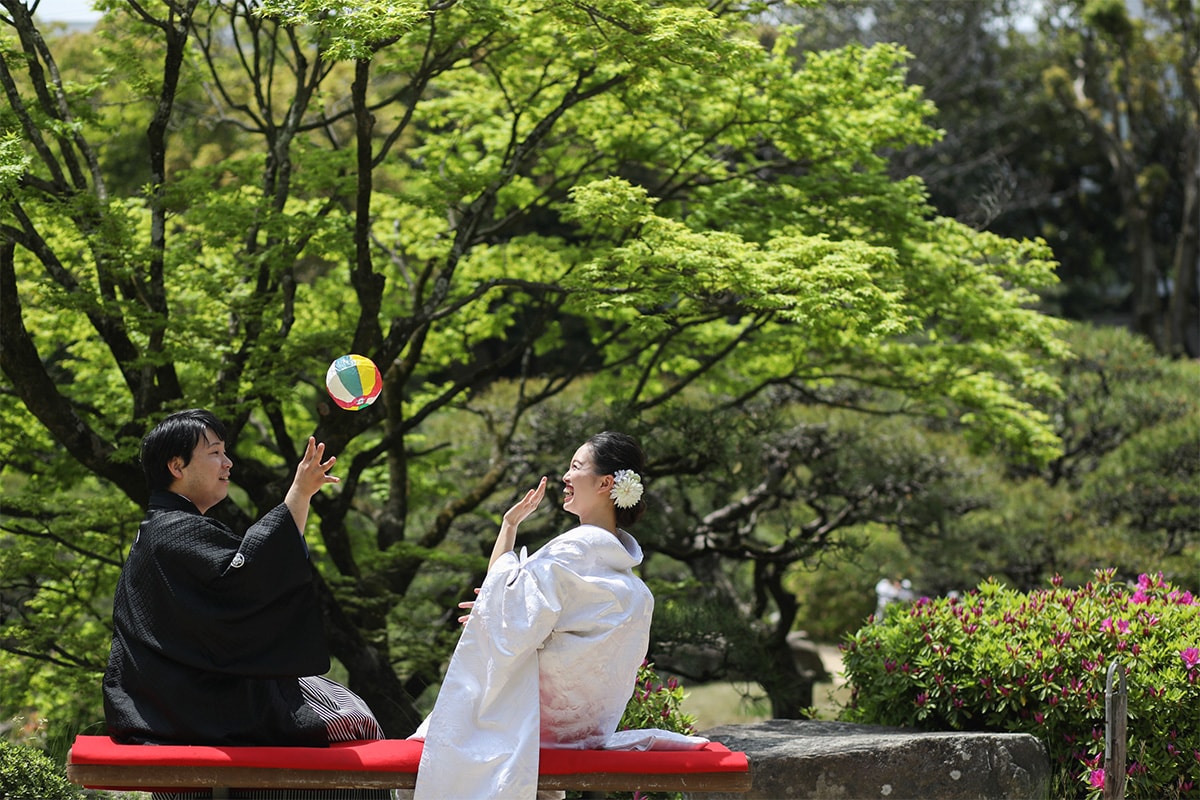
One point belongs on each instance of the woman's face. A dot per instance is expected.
(583, 490)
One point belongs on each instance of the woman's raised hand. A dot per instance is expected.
(507, 536)
(526, 505)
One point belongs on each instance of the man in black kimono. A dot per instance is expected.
(217, 638)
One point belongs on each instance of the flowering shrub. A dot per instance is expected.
(656, 704)
(1001, 660)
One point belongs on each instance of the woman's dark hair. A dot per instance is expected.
(612, 451)
(177, 435)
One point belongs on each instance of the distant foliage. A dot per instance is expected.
(29, 774)
(1003, 660)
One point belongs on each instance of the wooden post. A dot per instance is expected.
(1116, 708)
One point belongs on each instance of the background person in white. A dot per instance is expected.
(551, 647)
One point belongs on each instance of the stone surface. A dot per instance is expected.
(818, 760)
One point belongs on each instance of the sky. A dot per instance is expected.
(66, 10)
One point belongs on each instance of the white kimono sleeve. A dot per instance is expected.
(482, 737)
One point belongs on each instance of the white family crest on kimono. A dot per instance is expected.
(548, 658)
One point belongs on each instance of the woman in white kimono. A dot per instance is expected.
(551, 646)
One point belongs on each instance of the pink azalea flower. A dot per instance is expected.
(1190, 656)
(1096, 779)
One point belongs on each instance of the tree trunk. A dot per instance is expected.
(790, 692)
(1148, 304)
(1183, 314)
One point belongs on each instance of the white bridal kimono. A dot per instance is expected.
(548, 658)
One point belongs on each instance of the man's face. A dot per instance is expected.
(205, 479)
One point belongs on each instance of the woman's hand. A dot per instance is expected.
(526, 505)
(514, 517)
(468, 605)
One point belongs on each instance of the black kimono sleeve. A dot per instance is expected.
(244, 607)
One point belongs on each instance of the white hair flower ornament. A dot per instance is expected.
(627, 488)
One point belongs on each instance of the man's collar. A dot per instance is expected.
(171, 501)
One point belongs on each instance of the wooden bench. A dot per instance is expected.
(97, 762)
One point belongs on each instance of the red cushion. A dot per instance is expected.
(382, 755)
(396, 755)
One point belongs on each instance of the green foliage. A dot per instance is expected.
(28, 774)
(1121, 494)
(1025, 94)
(13, 162)
(357, 35)
(1003, 660)
(1114, 387)
(1150, 487)
(62, 538)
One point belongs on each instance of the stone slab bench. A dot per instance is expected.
(97, 762)
(821, 760)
